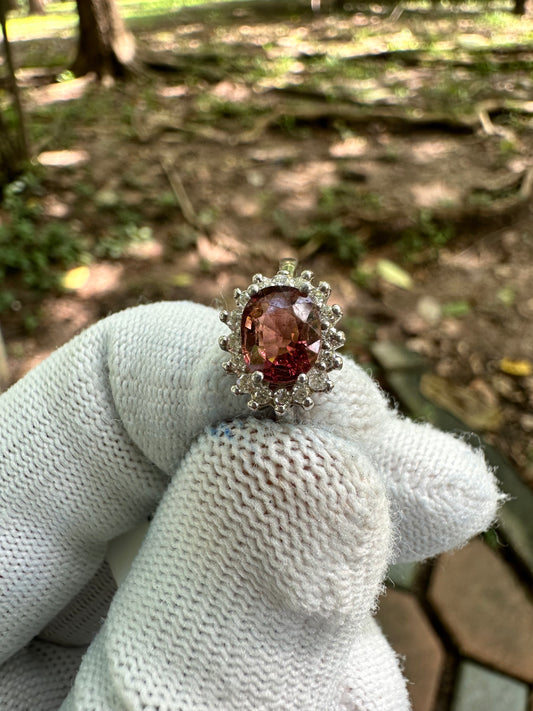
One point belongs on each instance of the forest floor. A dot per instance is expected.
(389, 148)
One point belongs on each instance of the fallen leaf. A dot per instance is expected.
(63, 159)
(474, 405)
(182, 279)
(456, 309)
(507, 295)
(75, 278)
(393, 274)
(516, 367)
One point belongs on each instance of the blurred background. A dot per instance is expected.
(170, 150)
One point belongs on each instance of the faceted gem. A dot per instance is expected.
(280, 334)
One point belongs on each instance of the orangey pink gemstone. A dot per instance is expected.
(280, 334)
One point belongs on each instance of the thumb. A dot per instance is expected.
(265, 556)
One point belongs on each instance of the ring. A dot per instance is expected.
(283, 339)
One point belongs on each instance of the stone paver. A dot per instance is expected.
(516, 516)
(481, 689)
(485, 608)
(411, 636)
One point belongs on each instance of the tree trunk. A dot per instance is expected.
(105, 46)
(523, 7)
(36, 7)
(4, 369)
(14, 150)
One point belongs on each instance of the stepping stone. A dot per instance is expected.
(480, 689)
(485, 608)
(411, 636)
(516, 517)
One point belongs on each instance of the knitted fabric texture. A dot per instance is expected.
(256, 583)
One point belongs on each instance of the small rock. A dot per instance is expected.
(477, 364)
(485, 608)
(422, 346)
(526, 422)
(510, 241)
(255, 178)
(480, 689)
(429, 309)
(106, 198)
(445, 368)
(507, 387)
(413, 324)
(451, 327)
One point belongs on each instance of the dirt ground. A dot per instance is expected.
(389, 149)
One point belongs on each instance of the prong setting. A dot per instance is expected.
(324, 288)
(223, 342)
(261, 392)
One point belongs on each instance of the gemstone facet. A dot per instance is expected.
(280, 334)
(283, 340)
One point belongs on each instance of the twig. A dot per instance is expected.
(4, 369)
(23, 135)
(526, 188)
(490, 129)
(182, 199)
(486, 123)
(397, 12)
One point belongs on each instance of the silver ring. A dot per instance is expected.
(283, 339)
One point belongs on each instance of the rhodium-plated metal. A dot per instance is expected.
(265, 391)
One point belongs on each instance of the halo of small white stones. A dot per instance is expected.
(316, 379)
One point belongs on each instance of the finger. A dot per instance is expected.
(38, 677)
(77, 624)
(373, 680)
(166, 377)
(263, 559)
(70, 479)
(441, 490)
(87, 441)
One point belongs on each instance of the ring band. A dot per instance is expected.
(283, 339)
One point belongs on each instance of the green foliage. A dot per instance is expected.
(116, 243)
(456, 309)
(332, 236)
(359, 332)
(38, 250)
(426, 238)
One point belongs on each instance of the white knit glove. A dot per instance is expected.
(255, 585)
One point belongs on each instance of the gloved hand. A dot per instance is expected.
(255, 586)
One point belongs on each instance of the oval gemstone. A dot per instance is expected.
(280, 334)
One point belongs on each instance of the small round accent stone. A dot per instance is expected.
(280, 334)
